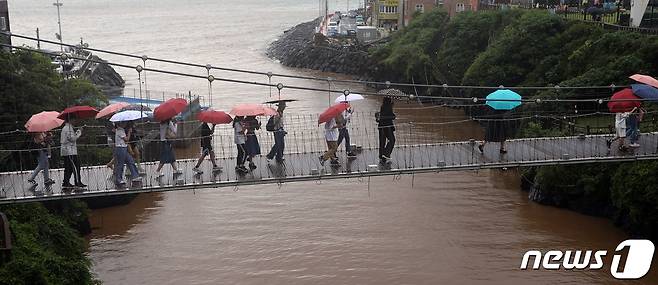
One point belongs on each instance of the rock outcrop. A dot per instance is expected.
(300, 47)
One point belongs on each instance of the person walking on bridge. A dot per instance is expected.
(276, 125)
(252, 146)
(121, 155)
(206, 148)
(69, 152)
(495, 130)
(384, 119)
(331, 136)
(240, 140)
(344, 134)
(41, 143)
(167, 156)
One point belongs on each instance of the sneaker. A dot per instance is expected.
(280, 160)
(136, 179)
(252, 166)
(67, 185)
(608, 143)
(197, 170)
(634, 145)
(159, 175)
(351, 154)
(385, 157)
(241, 168)
(335, 162)
(80, 185)
(216, 168)
(49, 182)
(321, 160)
(32, 181)
(269, 159)
(122, 182)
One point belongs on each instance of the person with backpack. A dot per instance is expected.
(275, 125)
(251, 145)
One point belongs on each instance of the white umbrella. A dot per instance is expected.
(349, 98)
(128, 116)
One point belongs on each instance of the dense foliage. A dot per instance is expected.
(535, 48)
(46, 247)
(29, 85)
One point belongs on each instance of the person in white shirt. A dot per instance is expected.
(69, 153)
(331, 136)
(167, 156)
(620, 128)
(122, 157)
(240, 140)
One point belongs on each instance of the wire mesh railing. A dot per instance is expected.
(421, 145)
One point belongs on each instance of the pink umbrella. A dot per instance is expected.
(111, 109)
(252, 110)
(646, 79)
(43, 122)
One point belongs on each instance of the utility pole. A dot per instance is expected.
(59, 23)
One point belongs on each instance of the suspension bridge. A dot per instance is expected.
(422, 146)
(414, 153)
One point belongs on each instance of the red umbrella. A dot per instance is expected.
(169, 109)
(252, 110)
(43, 122)
(80, 112)
(623, 101)
(111, 109)
(332, 112)
(646, 79)
(214, 117)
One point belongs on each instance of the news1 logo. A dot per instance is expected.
(637, 262)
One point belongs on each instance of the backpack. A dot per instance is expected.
(270, 125)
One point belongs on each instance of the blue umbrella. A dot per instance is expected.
(508, 99)
(645, 91)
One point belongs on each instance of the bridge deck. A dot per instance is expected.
(305, 166)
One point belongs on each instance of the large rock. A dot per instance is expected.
(301, 47)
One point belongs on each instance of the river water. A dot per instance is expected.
(469, 227)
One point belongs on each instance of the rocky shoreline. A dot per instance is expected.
(300, 47)
(106, 79)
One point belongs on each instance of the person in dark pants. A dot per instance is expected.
(206, 148)
(344, 133)
(495, 130)
(279, 134)
(385, 118)
(69, 152)
(252, 146)
(240, 139)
